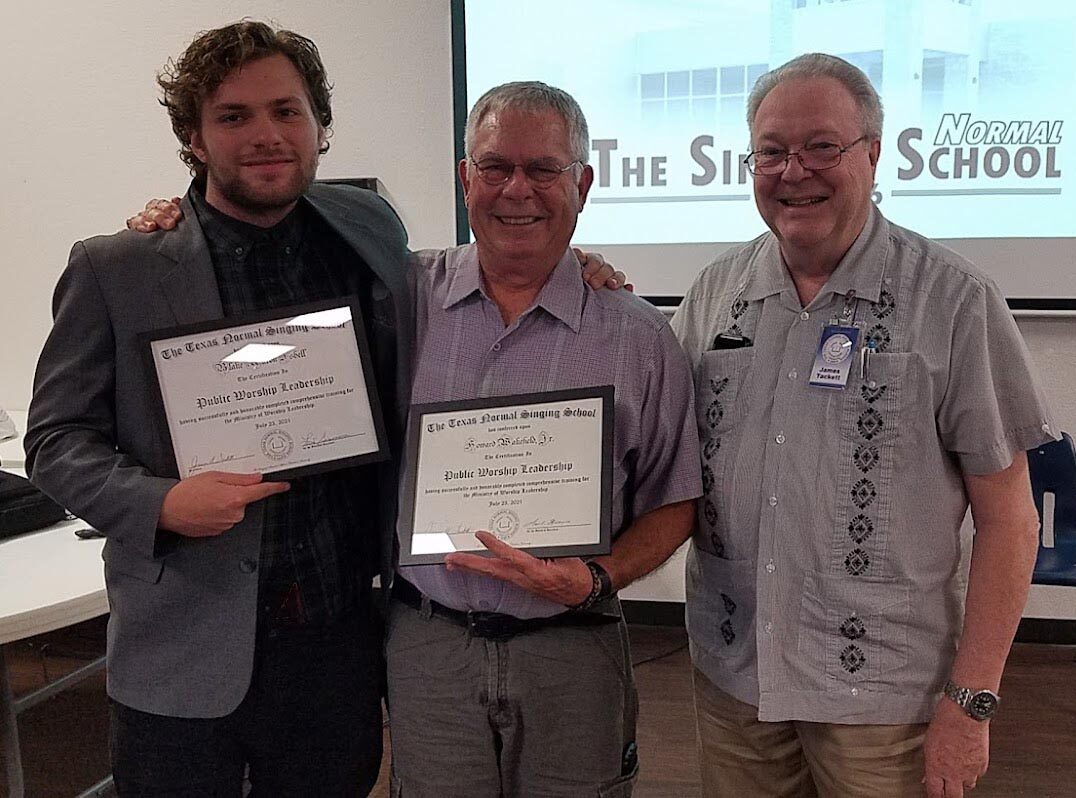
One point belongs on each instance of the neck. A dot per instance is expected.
(513, 286)
(259, 217)
(808, 274)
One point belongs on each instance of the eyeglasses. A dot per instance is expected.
(495, 172)
(815, 157)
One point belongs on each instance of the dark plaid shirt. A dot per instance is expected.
(319, 543)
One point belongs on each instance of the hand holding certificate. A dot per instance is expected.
(285, 393)
(533, 470)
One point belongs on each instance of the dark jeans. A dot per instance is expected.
(310, 725)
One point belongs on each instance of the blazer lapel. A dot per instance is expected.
(190, 286)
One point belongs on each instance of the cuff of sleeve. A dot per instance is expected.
(1000, 456)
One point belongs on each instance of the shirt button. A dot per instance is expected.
(1045, 427)
(496, 347)
(804, 316)
(780, 437)
(855, 691)
(287, 250)
(769, 627)
(773, 501)
(239, 251)
(247, 565)
(872, 385)
(300, 546)
(792, 374)
(770, 567)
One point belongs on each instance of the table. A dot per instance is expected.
(48, 579)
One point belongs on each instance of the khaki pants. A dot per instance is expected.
(742, 756)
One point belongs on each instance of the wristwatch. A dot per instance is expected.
(977, 704)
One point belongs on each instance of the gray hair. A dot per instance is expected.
(821, 65)
(532, 97)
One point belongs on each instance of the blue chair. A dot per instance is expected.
(1053, 483)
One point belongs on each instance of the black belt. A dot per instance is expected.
(494, 625)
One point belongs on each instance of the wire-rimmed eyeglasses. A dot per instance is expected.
(814, 157)
(495, 172)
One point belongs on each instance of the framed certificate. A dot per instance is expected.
(533, 469)
(287, 392)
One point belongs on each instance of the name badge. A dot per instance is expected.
(833, 360)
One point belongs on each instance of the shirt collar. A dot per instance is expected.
(860, 270)
(562, 296)
(239, 236)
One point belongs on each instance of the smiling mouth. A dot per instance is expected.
(799, 203)
(518, 220)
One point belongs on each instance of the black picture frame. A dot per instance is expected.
(606, 393)
(382, 453)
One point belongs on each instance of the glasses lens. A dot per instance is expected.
(495, 172)
(821, 156)
(767, 163)
(542, 174)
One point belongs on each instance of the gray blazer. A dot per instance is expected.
(181, 631)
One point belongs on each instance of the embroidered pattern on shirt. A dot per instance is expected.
(865, 457)
(857, 562)
(714, 413)
(863, 493)
(852, 628)
(727, 632)
(853, 658)
(885, 304)
(869, 423)
(860, 528)
(879, 333)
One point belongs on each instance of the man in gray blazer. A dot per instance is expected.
(241, 629)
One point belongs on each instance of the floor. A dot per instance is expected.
(1033, 739)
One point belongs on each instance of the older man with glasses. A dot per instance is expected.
(538, 699)
(857, 386)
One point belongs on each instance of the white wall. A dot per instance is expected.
(85, 144)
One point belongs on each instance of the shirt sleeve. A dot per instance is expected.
(994, 405)
(667, 469)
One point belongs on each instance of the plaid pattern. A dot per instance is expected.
(314, 561)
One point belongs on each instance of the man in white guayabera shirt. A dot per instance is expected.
(857, 386)
(539, 698)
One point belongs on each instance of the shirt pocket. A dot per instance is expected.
(877, 406)
(720, 611)
(854, 631)
(719, 379)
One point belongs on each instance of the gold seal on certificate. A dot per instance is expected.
(535, 470)
(287, 392)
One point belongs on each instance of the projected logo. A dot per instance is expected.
(966, 149)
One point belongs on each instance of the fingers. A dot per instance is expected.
(261, 491)
(228, 478)
(617, 280)
(500, 548)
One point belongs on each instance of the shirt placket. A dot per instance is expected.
(775, 555)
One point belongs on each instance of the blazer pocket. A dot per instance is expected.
(118, 561)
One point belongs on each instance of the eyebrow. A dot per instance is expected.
(291, 98)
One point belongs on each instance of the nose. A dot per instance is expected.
(794, 171)
(266, 132)
(518, 185)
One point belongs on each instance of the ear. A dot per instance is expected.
(586, 180)
(874, 151)
(198, 145)
(465, 178)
